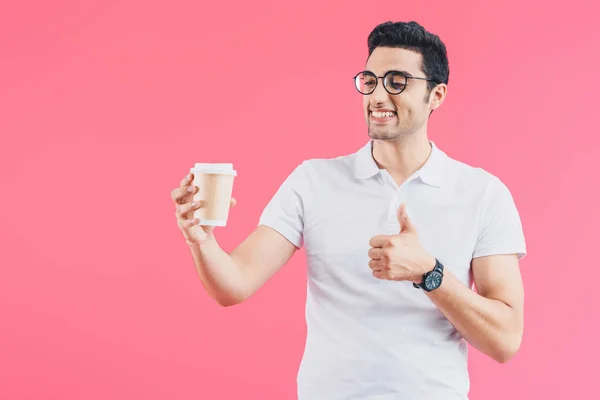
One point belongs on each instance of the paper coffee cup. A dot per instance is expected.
(215, 186)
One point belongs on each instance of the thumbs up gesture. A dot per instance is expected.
(400, 257)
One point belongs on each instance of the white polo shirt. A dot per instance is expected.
(375, 339)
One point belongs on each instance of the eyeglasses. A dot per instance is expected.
(394, 82)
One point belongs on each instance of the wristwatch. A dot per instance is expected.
(432, 279)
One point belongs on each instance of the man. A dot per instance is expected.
(395, 236)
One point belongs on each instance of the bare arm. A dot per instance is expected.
(228, 278)
(233, 278)
(491, 320)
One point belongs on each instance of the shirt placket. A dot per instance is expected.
(398, 195)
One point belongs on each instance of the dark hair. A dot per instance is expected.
(412, 36)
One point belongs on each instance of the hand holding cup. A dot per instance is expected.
(203, 200)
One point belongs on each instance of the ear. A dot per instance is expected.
(437, 96)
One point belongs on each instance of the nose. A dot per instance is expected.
(379, 95)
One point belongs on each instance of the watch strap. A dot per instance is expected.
(439, 268)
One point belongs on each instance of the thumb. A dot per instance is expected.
(405, 223)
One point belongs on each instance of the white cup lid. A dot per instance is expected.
(214, 168)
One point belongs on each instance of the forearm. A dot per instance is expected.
(218, 272)
(489, 325)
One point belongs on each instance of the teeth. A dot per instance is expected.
(378, 114)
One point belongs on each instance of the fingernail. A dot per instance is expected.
(194, 203)
(190, 189)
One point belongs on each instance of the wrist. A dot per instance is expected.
(199, 243)
(427, 265)
(193, 245)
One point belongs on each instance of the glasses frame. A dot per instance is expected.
(406, 78)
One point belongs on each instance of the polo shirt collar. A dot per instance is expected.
(431, 173)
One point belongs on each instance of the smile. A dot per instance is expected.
(382, 116)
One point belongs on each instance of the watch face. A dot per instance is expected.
(433, 281)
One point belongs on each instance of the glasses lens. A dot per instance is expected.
(395, 82)
(365, 82)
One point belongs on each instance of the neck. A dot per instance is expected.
(402, 157)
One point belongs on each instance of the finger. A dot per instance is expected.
(208, 229)
(180, 195)
(376, 265)
(176, 194)
(184, 194)
(233, 202)
(375, 253)
(379, 241)
(187, 180)
(405, 222)
(379, 275)
(186, 223)
(185, 211)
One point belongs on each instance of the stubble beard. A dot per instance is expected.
(391, 132)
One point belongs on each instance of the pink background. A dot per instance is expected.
(105, 105)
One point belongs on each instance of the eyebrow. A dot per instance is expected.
(395, 70)
(405, 73)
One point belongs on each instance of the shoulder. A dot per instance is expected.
(489, 195)
(319, 169)
(472, 178)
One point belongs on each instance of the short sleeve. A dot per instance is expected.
(500, 228)
(285, 211)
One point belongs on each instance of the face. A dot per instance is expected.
(391, 117)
